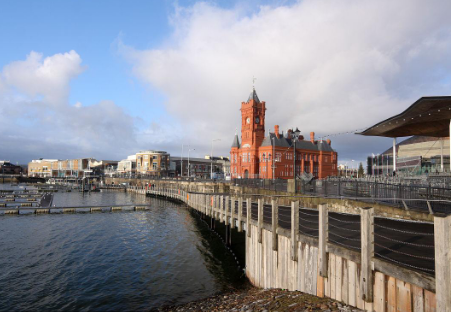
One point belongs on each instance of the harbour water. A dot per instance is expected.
(110, 261)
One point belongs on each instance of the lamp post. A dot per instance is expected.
(211, 157)
(189, 171)
(295, 137)
(181, 163)
(352, 166)
(372, 165)
(273, 158)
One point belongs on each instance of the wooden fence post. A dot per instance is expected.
(322, 240)
(260, 219)
(221, 208)
(294, 230)
(367, 253)
(226, 210)
(275, 223)
(248, 217)
(240, 214)
(232, 212)
(442, 244)
(216, 207)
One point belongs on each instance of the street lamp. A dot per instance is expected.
(352, 166)
(189, 172)
(295, 137)
(211, 157)
(181, 163)
(273, 158)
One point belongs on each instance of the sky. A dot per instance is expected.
(105, 79)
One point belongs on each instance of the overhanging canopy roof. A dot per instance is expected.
(429, 116)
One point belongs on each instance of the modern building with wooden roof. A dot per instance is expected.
(428, 122)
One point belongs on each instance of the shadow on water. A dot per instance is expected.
(225, 263)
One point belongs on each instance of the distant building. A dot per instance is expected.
(69, 168)
(268, 157)
(199, 167)
(414, 156)
(41, 167)
(102, 167)
(6, 167)
(152, 163)
(128, 165)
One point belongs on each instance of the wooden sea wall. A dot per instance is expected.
(269, 268)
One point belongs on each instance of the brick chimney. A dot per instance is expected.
(276, 131)
(328, 141)
(312, 137)
(289, 133)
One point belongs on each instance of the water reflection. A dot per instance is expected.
(110, 261)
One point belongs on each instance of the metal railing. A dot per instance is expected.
(426, 198)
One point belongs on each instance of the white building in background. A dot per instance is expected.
(127, 165)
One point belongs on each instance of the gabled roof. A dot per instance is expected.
(236, 142)
(253, 96)
(278, 141)
(307, 145)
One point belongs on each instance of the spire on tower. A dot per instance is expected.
(253, 95)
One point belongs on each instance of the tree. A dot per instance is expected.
(361, 172)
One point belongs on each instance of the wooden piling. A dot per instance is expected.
(367, 253)
(248, 217)
(240, 214)
(232, 212)
(442, 243)
(260, 219)
(323, 238)
(275, 223)
(294, 229)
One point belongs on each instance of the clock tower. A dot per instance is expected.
(252, 134)
(252, 121)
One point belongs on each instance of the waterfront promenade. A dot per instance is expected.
(369, 268)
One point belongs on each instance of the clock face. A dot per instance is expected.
(248, 120)
(257, 120)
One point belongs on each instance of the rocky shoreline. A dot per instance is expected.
(263, 300)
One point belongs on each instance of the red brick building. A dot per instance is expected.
(271, 157)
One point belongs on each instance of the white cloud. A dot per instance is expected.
(36, 119)
(47, 78)
(324, 65)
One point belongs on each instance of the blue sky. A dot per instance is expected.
(90, 28)
(104, 79)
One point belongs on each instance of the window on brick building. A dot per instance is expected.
(278, 156)
(249, 157)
